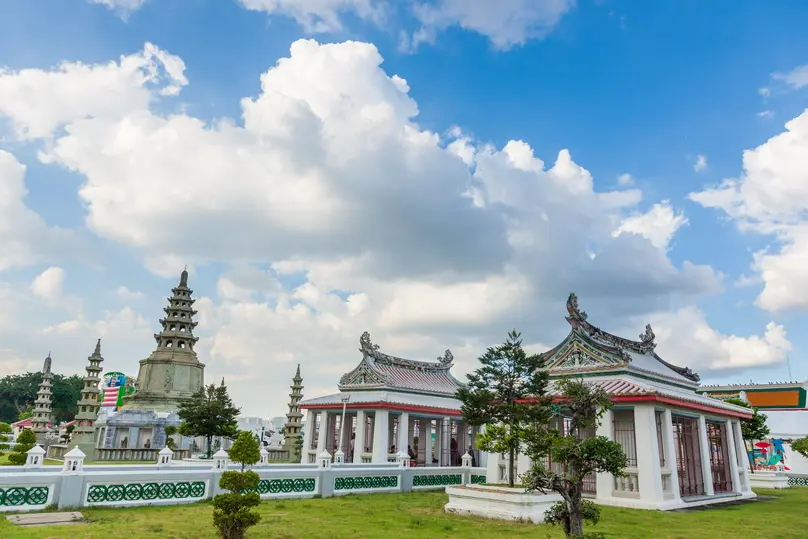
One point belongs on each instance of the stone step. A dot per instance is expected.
(46, 519)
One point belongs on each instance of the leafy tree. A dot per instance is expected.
(298, 448)
(507, 394)
(209, 412)
(68, 433)
(170, 430)
(18, 392)
(801, 446)
(25, 441)
(245, 449)
(577, 456)
(232, 513)
(751, 429)
(5, 430)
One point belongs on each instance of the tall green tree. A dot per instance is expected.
(232, 513)
(801, 446)
(18, 392)
(577, 455)
(507, 393)
(170, 430)
(25, 441)
(751, 429)
(209, 412)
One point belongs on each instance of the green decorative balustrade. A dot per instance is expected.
(358, 483)
(436, 480)
(286, 486)
(135, 492)
(17, 496)
(798, 481)
(477, 479)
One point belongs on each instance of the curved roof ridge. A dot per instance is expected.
(646, 345)
(371, 350)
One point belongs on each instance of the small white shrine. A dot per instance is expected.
(683, 448)
(390, 405)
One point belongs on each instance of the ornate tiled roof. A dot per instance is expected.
(621, 387)
(382, 371)
(588, 349)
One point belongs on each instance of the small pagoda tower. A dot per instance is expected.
(88, 405)
(43, 403)
(291, 430)
(172, 372)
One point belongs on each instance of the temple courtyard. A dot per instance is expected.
(420, 515)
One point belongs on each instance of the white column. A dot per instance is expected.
(381, 428)
(483, 459)
(446, 435)
(670, 452)
(321, 433)
(733, 458)
(359, 440)
(704, 445)
(648, 469)
(411, 435)
(307, 434)
(605, 481)
(403, 432)
(438, 442)
(741, 455)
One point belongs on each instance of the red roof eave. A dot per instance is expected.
(670, 401)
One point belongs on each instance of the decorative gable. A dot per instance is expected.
(577, 355)
(363, 375)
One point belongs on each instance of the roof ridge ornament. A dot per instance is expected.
(447, 358)
(647, 338)
(366, 345)
(576, 316)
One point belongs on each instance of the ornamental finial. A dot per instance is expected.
(446, 358)
(365, 344)
(648, 336)
(572, 308)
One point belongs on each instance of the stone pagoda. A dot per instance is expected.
(170, 375)
(88, 405)
(43, 404)
(172, 372)
(291, 430)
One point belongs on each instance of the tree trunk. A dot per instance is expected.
(575, 508)
(511, 471)
(209, 448)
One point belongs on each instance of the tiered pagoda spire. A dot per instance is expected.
(172, 372)
(43, 403)
(178, 325)
(88, 404)
(291, 430)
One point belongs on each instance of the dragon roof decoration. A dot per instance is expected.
(619, 346)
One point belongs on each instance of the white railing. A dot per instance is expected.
(35, 487)
(628, 485)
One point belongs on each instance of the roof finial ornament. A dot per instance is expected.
(648, 337)
(97, 351)
(576, 316)
(446, 358)
(184, 276)
(365, 344)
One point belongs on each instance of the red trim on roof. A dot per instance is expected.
(385, 406)
(682, 404)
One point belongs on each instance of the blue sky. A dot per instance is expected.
(627, 87)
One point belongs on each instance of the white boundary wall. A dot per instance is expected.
(34, 488)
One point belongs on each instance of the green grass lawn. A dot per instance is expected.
(420, 516)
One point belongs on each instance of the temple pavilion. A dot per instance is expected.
(389, 405)
(683, 448)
